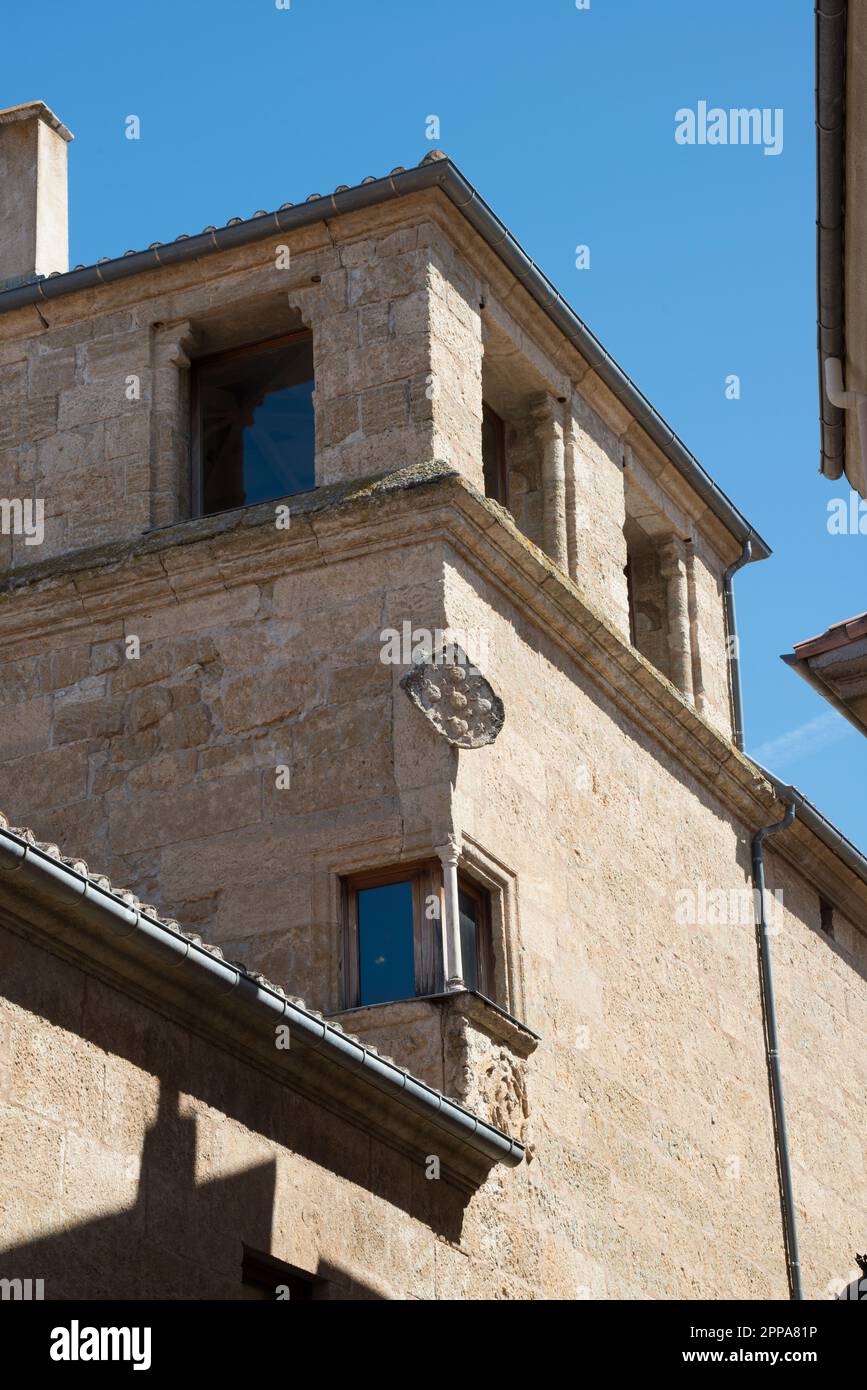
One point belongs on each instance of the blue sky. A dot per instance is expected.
(702, 260)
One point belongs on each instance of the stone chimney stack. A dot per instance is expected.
(33, 208)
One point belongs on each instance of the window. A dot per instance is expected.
(264, 1277)
(252, 424)
(826, 917)
(647, 598)
(630, 599)
(393, 940)
(494, 454)
(474, 911)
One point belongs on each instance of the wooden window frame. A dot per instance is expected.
(484, 935)
(196, 367)
(426, 877)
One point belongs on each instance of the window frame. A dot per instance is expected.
(485, 969)
(197, 364)
(426, 877)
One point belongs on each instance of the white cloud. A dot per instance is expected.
(804, 741)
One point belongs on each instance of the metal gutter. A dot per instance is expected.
(831, 20)
(806, 672)
(160, 946)
(818, 824)
(435, 171)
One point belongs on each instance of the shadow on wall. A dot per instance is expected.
(179, 1239)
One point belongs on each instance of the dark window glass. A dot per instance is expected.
(468, 907)
(826, 916)
(385, 943)
(265, 1277)
(494, 454)
(254, 418)
(630, 599)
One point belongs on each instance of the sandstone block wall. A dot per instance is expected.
(138, 1159)
(94, 393)
(162, 770)
(648, 1095)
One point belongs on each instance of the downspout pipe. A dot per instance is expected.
(849, 400)
(733, 645)
(772, 1051)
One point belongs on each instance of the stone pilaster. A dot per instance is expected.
(672, 556)
(170, 423)
(549, 433)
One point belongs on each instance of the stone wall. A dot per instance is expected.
(406, 307)
(164, 770)
(652, 1165)
(654, 1170)
(651, 1168)
(139, 1158)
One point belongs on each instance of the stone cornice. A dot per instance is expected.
(114, 584)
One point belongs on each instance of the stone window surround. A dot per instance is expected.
(540, 392)
(192, 403)
(331, 867)
(670, 537)
(174, 349)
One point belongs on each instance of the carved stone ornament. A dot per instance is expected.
(456, 698)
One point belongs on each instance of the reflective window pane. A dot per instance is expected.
(385, 943)
(255, 420)
(469, 910)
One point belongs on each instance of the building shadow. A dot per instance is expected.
(179, 1238)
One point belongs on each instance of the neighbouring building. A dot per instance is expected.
(834, 662)
(362, 618)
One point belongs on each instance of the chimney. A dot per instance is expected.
(33, 210)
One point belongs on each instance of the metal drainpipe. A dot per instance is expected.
(734, 655)
(772, 1052)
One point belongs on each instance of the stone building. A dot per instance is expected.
(834, 662)
(362, 618)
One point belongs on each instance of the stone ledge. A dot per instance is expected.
(460, 1043)
(352, 519)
